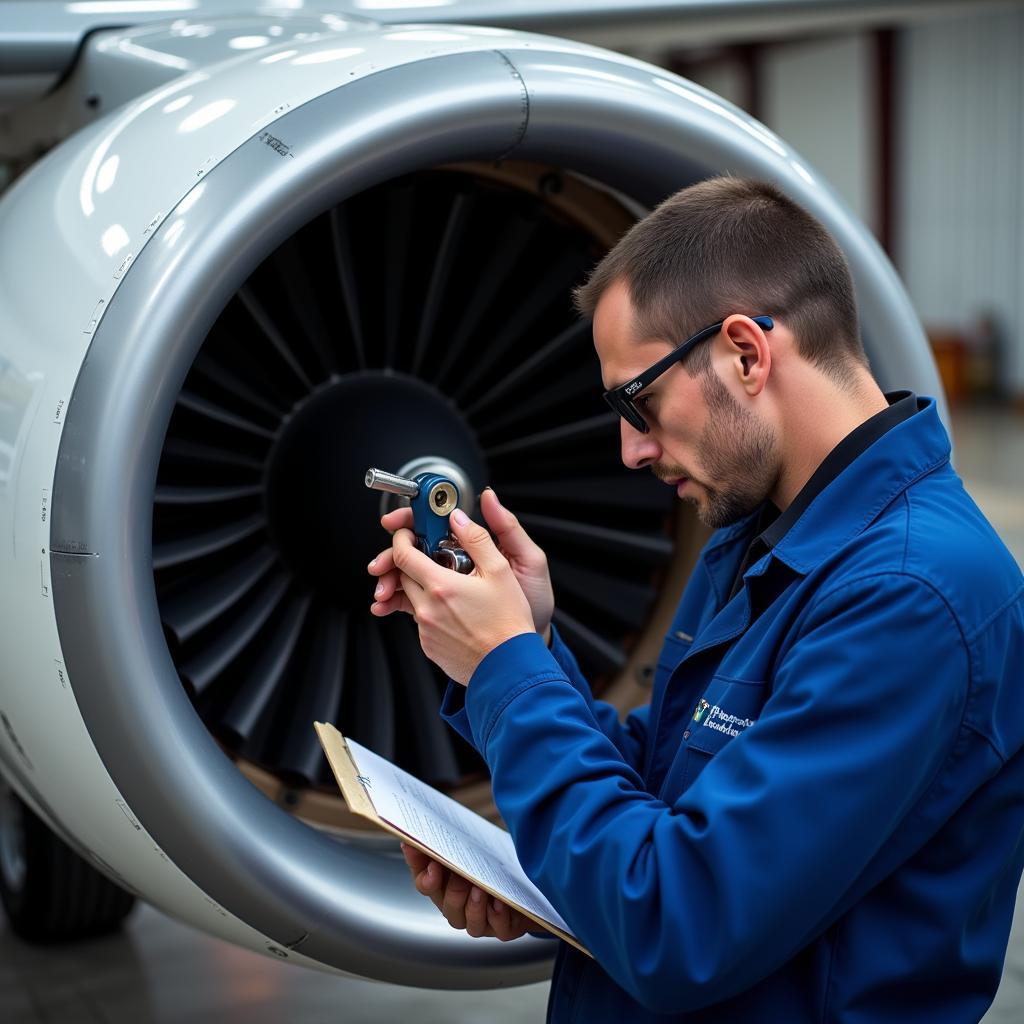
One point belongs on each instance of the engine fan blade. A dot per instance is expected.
(194, 606)
(433, 754)
(265, 678)
(204, 667)
(458, 215)
(569, 433)
(318, 698)
(195, 451)
(556, 395)
(303, 305)
(641, 492)
(167, 494)
(554, 283)
(399, 217)
(516, 236)
(370, 711)
(269, 331)
(206, 366)
(186, 549)
(594, 651)
(625, 603)
(534, 364)
(343, 259)
(212, 411)
(653, 548)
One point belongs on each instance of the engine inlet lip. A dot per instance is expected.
(269, 870)
(340, 904)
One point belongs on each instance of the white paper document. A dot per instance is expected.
(471, 843)
(453, 835)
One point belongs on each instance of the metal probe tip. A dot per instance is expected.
(379, 480)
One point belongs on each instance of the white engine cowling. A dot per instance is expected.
(122, 254)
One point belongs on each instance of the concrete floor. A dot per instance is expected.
(159, 971)
(162, 972)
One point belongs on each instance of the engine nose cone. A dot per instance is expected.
(321, 516)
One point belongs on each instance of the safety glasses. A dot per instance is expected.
(623, 398)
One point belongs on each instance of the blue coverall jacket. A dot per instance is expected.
(819, 815)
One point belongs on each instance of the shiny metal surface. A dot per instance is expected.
(443, 467)
(339, 905)
(137, 975)
(42, 36)
(13, 865)
(152, 218)
(453, 557)
(112, 68)
(442, 499)
(392, 483)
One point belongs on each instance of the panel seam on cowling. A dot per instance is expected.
(525, 105)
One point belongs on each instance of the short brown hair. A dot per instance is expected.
(734, 245)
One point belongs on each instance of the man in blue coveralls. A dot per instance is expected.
(819, 815)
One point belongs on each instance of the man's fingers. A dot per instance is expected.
(381, 564)
(397, 519)
(432, 882)
(416, 859)
(476, 913)
(510, 535)
(464, 905)
(504, 922)
(456, 894)
(429, 877)
(398, 602)
(396, 592)
(412, 590)
(387, 586)
(499, 918)
(432, 878)
(412, 562)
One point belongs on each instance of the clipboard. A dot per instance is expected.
(354, 789)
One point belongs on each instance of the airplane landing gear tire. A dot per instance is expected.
(49, 892)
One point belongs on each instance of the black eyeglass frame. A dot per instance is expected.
(621, 398)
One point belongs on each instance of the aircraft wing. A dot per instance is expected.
(41, 37)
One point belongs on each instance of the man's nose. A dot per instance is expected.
(638, 449)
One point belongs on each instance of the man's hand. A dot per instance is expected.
(528, 562)
(464, 905)
(461, 619)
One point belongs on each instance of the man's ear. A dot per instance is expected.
(750, 357)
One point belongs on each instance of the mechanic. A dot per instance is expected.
(819, 815)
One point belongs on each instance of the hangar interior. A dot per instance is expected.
(433, 223)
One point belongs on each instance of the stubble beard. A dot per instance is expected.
(736, 448)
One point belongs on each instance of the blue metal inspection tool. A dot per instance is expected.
(433, 499)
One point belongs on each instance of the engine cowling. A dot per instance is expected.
(267, 273)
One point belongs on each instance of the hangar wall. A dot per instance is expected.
(955, 192)
(831, 123)
(816, 92)
(960, 193)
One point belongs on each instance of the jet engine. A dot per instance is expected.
(293, 255)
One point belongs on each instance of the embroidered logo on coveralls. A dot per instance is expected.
(722, 721)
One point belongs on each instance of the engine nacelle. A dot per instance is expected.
(171, 433)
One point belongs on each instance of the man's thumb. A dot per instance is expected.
(475, 540)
